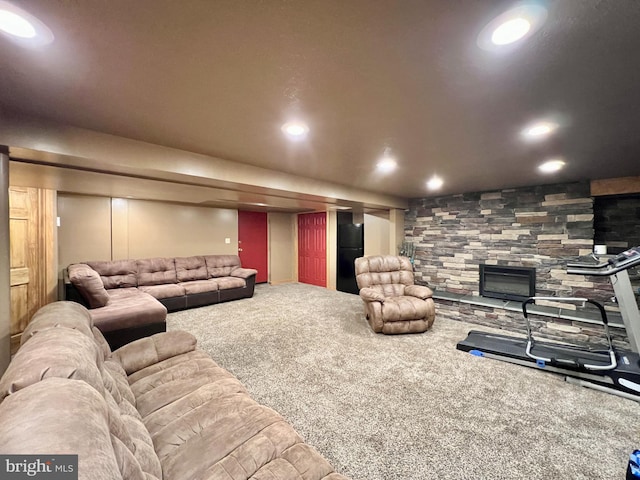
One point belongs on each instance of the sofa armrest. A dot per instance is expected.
(243, 272)
(147, 351)
(419, 291)
(371, 295)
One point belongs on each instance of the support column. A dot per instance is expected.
(396, 232)
(5, 264)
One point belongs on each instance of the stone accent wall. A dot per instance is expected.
(542, 227)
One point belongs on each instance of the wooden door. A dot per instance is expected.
(32, 255)
(252, 243)
(312, 248)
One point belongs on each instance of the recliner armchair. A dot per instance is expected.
(392, 303)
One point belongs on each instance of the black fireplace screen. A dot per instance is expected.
(506, 282)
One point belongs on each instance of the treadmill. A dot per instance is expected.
(608, 369)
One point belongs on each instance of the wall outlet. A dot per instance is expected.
(227, 240)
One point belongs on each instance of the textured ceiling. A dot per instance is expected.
(220, 77)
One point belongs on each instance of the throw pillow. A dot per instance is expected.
(89, 284)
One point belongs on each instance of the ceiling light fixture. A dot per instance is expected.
(21, 27)
(435, 183)
(295, 130)
(538, 130)
(510, 27)
(551, 166)
(16, 25)
(387, 163)
(510, 31)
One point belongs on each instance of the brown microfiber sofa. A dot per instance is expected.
(157, 408)
(129, 299)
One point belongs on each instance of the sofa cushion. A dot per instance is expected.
(149, 351)
(169, 362)
(88, 282)
(243, 272)
(114, 371)
(169, 290)
(128, 308)
(117, 273)
(198, 443)
(101, 342)
(59, 314)
(170, 389)
(397, 309)
(54, 352)
(60, 416)
(191, 268)
(156, 271)
(221, 265)
(225, 283)
(200, 286)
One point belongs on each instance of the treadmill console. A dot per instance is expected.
(599, 267)
(628, 258)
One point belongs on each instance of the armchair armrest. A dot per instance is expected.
(243, 272)
(419, 291)
(371, 295)
(147, 351)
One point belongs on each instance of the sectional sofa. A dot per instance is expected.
(157, 408)
(129, 299)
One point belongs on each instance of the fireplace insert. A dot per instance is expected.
(507, 282)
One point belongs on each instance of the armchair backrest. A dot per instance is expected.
(387, 274)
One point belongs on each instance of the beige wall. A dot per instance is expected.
(144, 229)
(282, 240)
(101, 228)
(85, 229)
(377, 229)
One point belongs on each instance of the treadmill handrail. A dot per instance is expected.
(530, 340)
(603, 312)
(604, 271)
(623, 261)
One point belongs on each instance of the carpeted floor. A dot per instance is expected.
(412, 406)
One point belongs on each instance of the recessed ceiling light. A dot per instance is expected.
(21, 27)
(510, 31)
(387, 163)
(435, 183)
(15, 25)
(295, 130)
(512, 26)
(538, 130)
(551, 166)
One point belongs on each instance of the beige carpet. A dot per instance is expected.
(412, 406)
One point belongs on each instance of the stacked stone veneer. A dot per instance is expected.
(542, 227)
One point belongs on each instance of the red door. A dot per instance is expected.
(312, 248)
(252, 243)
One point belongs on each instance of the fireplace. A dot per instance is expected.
(506, 282)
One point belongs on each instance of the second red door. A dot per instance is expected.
(252, 243)
(312, 248)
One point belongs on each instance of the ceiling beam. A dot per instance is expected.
(615, 186)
